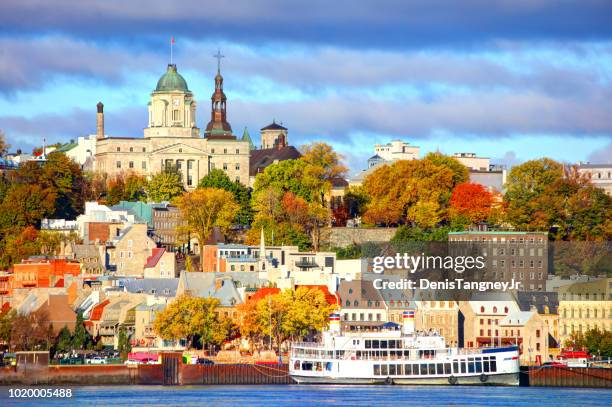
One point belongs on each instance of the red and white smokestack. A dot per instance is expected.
(334, 322)
(408, 322)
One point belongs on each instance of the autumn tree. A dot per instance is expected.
(191, 318)
(204, 209)
(125, 187)
(460, 172)
(323, 165)
(289, 314)
(165, 186)
(470, 203)
(394, 189)
(217, 178)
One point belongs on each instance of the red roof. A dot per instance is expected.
(60, 283)
(157, 254)
(264, 292)
(96, 313)
(331, 299)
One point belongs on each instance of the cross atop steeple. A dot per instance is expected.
(218, 55)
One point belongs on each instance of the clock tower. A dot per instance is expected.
(172, 109)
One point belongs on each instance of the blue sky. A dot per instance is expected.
(509, 79)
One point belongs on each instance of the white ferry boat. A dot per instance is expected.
(395, 356)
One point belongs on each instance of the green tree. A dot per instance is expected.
(525, 188)
(165, 186)
(80, 337)
(64, 340)
(217, 178)
(123, 342)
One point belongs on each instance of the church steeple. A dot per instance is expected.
(218, 127)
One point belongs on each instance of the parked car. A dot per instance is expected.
(204, 361)
(132, 362)
(97, 360)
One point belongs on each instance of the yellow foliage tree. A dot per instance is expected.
(190, 317)
(204, 209)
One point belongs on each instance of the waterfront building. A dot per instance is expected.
(584, 306)
(172, 138)
(438, 316)
(510, 255)
(546, 304)
(599, 174)
(480, 318)
(531, 335)
(361, 305)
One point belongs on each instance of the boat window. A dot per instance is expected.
(471, 365)
(432, 369)
(384, 344)
(423, 369)
(493, 364)
(408, 369)
(368, 344)
(399, 369)
(376, 370)
(328, 366)
(375, 344)
(485, 365)
(464, 366)
(406, 353)
(318, 366)
(383, 370)
(456, 366)
(439, 368)
(296, 365)
(306, 365)
(478, 365)
(384, 353)
(447, 368)
(392, 370)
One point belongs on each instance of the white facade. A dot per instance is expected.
(85, 148)
(473, 162)
(600, 175)
(397, 150)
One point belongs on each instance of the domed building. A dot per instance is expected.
(173, 139)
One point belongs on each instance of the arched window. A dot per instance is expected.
(481, 309)
(505, 310)
(495, 310)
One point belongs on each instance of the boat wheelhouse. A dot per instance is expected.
(398, 356)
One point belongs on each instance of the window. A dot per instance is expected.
(176, 115)
(144, 150)
(131, 164)
(144, 165)
(237, 151)
(237, 166)
(225, 151)
(212, 151)
(118, 164)
(225, 166)
(118, 149)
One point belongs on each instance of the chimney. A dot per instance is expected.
(100, 121)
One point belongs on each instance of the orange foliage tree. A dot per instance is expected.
(470, 203)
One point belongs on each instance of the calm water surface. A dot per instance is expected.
(295, 395)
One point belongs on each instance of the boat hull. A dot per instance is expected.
(502, 379)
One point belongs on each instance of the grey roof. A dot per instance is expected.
(244, 278)
(85, 250)
(539, 299)
(152, 307)
(203, 285)
(165, 287)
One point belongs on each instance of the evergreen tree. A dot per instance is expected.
(80, 336)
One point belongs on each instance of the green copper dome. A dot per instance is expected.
(171, 81)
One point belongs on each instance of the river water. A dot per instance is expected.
(295, 395)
